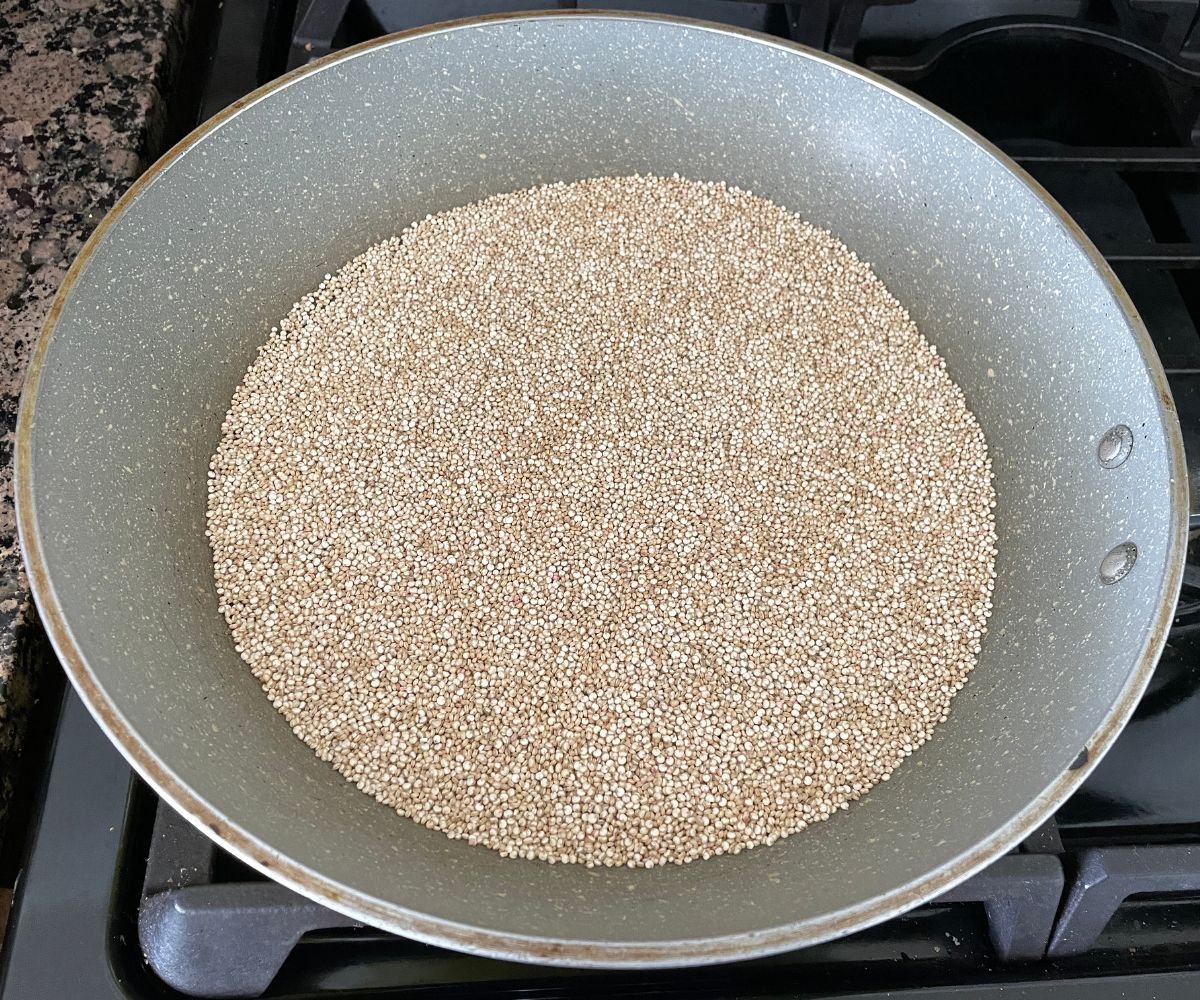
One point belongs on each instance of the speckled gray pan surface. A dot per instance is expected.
(169, 310)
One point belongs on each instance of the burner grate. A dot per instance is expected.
(206, 937)
(1107, 876)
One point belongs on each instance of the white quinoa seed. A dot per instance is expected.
(622, 522)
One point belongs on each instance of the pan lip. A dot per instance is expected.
(358, 904)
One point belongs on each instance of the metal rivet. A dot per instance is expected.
(1117, 564)
(1115, 446)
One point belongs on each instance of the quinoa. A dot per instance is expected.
(621, 522)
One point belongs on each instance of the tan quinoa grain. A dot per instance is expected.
(622, 522)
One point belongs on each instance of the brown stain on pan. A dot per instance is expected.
(581, 953)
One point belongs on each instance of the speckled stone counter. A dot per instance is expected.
(82, 111)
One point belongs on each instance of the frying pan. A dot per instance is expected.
(165, 308)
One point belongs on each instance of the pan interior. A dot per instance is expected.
(174, 302)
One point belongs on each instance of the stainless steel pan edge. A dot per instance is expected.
(540, 949)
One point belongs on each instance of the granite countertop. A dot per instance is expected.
(82, 112)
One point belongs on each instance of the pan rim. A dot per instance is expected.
(246, 846)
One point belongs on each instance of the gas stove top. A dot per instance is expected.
(118, 897)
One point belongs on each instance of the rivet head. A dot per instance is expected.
(1117, 564)
(1115, 446)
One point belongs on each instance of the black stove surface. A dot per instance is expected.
(1100, 100)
